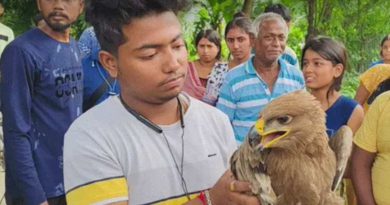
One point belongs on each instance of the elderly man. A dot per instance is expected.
(41, 95)
(288, 55)
(264, 77)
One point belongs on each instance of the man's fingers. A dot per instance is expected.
(239, 186)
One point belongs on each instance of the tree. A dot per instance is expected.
(18, 15)
(207, 14)
(248, 7)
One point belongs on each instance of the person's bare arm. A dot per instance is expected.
(221, 193)
(356, 118)
(361, 175)
(354, 123)
(120, 203)
(362, 94)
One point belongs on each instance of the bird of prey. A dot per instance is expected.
(287, 156)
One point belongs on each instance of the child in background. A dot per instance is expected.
(324, 62)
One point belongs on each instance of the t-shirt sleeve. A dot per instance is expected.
(92, 173)
(85, 43)
(17, 77)
(366, 136)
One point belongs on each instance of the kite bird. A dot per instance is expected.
(287, 156)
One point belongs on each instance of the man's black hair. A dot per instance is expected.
(279, 9)
(109, 16)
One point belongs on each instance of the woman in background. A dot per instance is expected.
(324, 61)
(370, 156)
(239, 36)
(208, 47)
(384, 53)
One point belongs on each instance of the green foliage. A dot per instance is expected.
(359, 24)
(78, 27)
(18, 15)
(350, 84)
(213, 13)
(207, 14)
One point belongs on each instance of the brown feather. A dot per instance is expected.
(341, 144)
(301, 166)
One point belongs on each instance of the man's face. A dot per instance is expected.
(271, 42)
(152, 64)
(60, 14)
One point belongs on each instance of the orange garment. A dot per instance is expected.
(371, 78)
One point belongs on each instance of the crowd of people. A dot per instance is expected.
(122, 117)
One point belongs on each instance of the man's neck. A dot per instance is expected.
(63, 37)
(268, 72)
(161, 114)
(265, 67)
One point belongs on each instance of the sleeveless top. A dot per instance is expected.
(338, 114)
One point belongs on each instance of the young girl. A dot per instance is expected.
(208, 47)
(324, 61)
(384, 53)
(239, 37)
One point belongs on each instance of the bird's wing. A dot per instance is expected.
(341, 144)
(247, 165)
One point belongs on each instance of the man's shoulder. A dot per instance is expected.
(204, 109)
(97, 115)
(25, 40)
(239, 73)
(290, 52)
(289, 69)
(288, 66)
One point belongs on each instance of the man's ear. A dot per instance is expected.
(109, 62)
(39, 5)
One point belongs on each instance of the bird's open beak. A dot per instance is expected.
(269, 137)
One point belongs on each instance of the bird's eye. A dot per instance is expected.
(284, 119)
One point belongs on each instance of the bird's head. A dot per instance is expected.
(288, 122)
